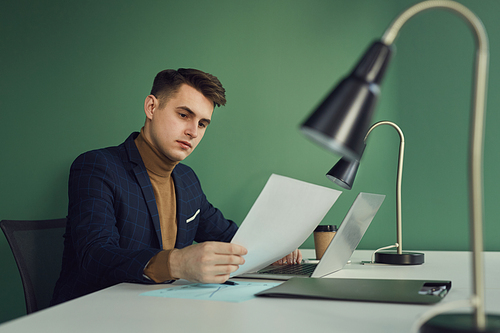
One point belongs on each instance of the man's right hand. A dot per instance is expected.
(208, 262)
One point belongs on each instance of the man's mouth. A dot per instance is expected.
(185, 144)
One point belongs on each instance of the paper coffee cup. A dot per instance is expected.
(323, 235)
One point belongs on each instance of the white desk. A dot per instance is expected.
(121, 309)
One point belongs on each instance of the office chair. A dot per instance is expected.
(37, 247)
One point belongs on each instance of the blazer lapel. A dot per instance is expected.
(143, 178)
(180, 196)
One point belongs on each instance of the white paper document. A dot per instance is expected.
(286, 212)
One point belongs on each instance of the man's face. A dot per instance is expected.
(177, 128)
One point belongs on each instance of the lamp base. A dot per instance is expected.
(394, 258)
(460, 323)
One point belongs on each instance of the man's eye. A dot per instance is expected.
(182, 115)
(202, 125)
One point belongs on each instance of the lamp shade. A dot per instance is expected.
(341, 121)
(343, 173)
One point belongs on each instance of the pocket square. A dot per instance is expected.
(193, 217)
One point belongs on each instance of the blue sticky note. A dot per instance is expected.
(242, 291)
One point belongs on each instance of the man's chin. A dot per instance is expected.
(180, 156)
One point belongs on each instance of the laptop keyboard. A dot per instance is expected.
(300, 269)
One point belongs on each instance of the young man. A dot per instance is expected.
(134, 210)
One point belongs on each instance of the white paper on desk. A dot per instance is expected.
(286, 212)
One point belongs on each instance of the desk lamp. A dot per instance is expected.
(342, 120)
(343, 174)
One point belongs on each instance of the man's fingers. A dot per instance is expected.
(225, 269)
(224, 253)
(235, 260)
(225, 259)
(219, 279)
(218, 272)
(224, 248)
(293, 258)
(230, 248)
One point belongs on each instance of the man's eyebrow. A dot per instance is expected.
(191, 112)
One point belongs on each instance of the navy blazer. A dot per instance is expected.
(113, 227)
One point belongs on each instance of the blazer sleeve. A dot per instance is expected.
(108, 250)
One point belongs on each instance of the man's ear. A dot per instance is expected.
(150, 105)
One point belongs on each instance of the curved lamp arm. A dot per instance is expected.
(476, 135)
(399, 214)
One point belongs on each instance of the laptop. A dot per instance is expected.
(343, 244)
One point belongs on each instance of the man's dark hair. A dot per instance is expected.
(168, 82)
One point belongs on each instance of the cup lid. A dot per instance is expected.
(323, 228)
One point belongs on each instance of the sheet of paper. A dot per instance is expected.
(286, 212)
(242, 291)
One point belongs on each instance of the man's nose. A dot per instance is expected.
(192, 130)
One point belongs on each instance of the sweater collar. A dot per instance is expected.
(153, 159)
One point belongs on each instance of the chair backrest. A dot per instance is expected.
(38, 248)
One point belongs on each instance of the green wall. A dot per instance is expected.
(74, 75)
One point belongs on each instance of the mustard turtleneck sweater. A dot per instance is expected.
(159, 168)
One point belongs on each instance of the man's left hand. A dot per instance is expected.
(293, 258)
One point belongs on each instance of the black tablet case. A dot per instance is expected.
(374, 290)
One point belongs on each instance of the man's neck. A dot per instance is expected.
(153, 159)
